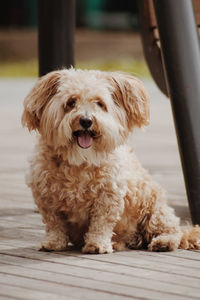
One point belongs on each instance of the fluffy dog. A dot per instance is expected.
(87, 183)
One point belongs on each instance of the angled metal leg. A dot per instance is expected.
(181, 58)
(56, 23)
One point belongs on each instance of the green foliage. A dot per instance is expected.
(135, 67)
(19, 69)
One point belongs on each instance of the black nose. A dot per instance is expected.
(86, 122)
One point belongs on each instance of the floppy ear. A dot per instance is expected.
(130, 93)
(45, 88)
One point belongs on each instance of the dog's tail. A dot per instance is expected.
(190, 238)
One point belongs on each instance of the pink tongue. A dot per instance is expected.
(85, 140)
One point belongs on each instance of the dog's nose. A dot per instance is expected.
(86, 122)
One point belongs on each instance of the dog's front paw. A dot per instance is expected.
(164, 243)
(53, 245)
(97, 248)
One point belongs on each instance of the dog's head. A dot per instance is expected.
(84, 115)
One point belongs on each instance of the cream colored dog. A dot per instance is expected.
(87, 183)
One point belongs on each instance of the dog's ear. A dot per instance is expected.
(45, 88)
(129, 92)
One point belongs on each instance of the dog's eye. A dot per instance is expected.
(71, 102)
(101, 104)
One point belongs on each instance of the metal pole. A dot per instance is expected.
(149, 41)
(56, 25)
(181, 57)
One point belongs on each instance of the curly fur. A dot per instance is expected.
(99, 198)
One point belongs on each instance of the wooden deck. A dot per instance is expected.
(28, 274)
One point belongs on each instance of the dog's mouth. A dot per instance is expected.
(84, 138)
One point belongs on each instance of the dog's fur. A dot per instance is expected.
(88, 185)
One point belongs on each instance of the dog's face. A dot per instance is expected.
(84, 115)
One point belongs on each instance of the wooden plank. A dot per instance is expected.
(123, 280)
(46, 281)
(14, 197)
(192, 254)
(164, 258)
(12, 191)
(149, 264)
(66, 288)
(21, 214)
(84, 262)
(11, 291)
(27, 235)
(145, 260)
(9, 220)
(135, 259)
(180, 253)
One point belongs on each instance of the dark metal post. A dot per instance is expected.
(151, 48)
(181, 57)
(56, 24)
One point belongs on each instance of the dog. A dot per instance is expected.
(89, 187)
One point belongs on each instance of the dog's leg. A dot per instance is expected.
(104, 214)
(56, 237)
(164, 229)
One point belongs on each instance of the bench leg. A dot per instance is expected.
(56, 23)
(181, 60)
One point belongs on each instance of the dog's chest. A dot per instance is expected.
(79, 191)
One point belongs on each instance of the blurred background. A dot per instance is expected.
(107, 37)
